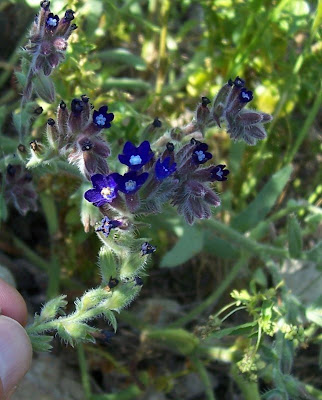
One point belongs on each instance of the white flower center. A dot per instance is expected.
(201, 155)
(135, 160)
(219, 173)
(245, 95)
(106, 191)
(130, 186)
(52, 21)
(100, 120)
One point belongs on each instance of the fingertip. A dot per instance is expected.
(12, 303)
(15, 354)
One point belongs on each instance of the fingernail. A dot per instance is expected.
(15, 353)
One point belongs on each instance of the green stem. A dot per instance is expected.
(84, 372)
(232, 312)
(165, 10)
(50, 211)
(211, 300)
(248, 389)
(202, 371)
(250, 245)
(307, 124)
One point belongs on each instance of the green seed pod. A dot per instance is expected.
(122, 296)
(51, 309)
(131, 265)
(108, 264)
(178, 340)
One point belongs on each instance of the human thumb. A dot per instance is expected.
(15, 355)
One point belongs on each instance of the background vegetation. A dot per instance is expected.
(157, 58)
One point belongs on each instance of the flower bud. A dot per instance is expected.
(52, 308)
(107, 263)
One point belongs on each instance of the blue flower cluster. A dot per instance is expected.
(105, 187)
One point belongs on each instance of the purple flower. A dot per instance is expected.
(105, 190)
(52, 21)
(106, 225)
(138, 281)
(200, 154)
(218, 173)
(147, 248)
(130, 182)
(245, 96)
(136, 157)
(102, 118)
(238, 82)
(164, 169)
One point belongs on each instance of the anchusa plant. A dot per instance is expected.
(175, 167)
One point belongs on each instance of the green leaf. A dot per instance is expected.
(44, 87)
(126, 84)
(190, 244)
(219, 247)
(109, 315)
(315, 254)
(314, 312)
(243, 329)
(264, 201)
(123, 57)
(41, 342)
(295, 242)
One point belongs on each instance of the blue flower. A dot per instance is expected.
(106, 225)
(163, 169)
(102, 118)
(105, 190)
(245, 96)
(218, 173)
(147, 248)
(130, 182)
(238, 82)
(52, 21)
(200, 154)
(113, 281)
(136, 157)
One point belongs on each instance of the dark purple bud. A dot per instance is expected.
(11, 170)
(69, 15)
(34, 145)
(170, 147)
(147, 248)
(22, 148)
(239, 82)
(193, 141)
(230, 82)
(38, 110)
(73, 27)
(51, 122)
(256, 131)
(77, 106)
(113, 282)
(196, 189)
(212, 198)
(249, 117)
(138, 281)
(45, 5)
(205, 101)
(62, 105)
(157, 123)
(87, 145)
(84, 98)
